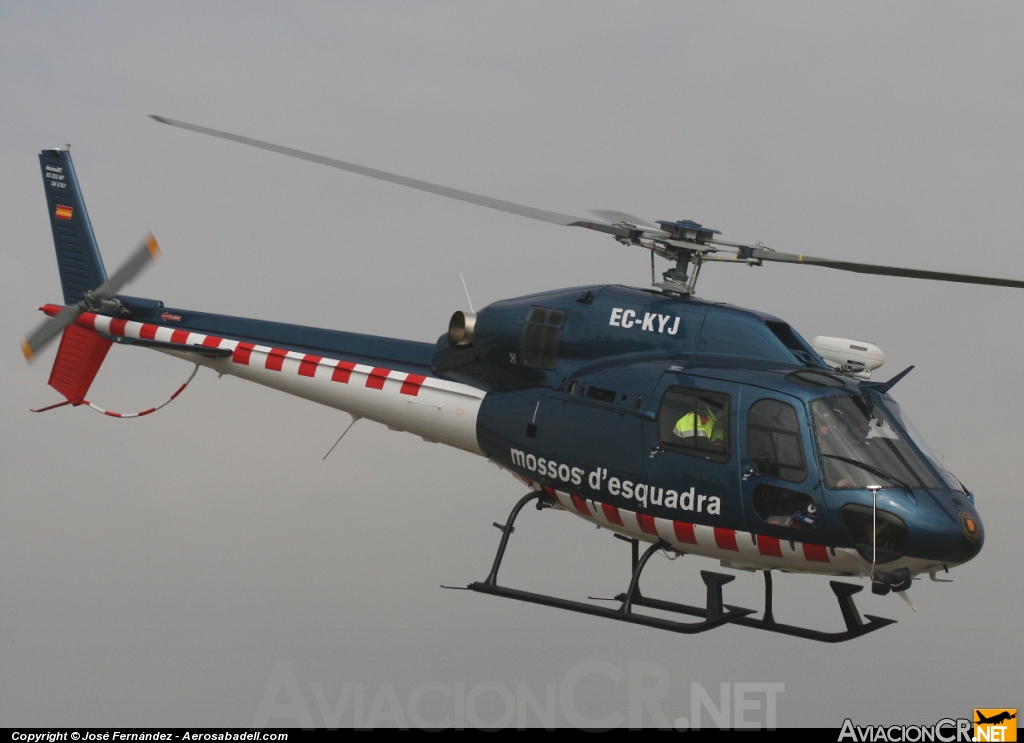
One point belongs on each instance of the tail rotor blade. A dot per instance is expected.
(146, 252)
(45, 332)
(49, 329)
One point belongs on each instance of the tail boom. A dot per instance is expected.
(436, 409)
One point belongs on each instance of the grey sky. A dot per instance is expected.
(154, 571)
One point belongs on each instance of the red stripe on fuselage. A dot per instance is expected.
(726, 539)
(307, 367)
(242, 354)
(684, 532)
(342, 372)
(580, 504)
(212, 341)
(612, 514)
(179, 336)
(412, 384)
(769, 546)
(376, 379)
(275, 359)
(816, 552)
(117, 326)
(148, 332)
(646, 523)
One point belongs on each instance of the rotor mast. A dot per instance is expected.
(686, 242)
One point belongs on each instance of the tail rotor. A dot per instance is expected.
(102, 297)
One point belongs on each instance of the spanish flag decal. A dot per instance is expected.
(63, 212)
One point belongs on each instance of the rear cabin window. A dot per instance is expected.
(695, 422)
(773, 441)
(541, 336)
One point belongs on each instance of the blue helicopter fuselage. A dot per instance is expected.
(584, 413)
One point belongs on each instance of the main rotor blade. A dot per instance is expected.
(910, 273)
(543, 215)
(613, 216)
(147, 251)
(49, 329)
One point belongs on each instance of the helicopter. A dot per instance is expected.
(675, 423)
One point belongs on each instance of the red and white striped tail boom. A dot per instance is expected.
(436, 409)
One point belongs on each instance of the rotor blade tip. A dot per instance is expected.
(161, 119)
(152, 246)
(26, 349)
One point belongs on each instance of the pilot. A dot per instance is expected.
(830, 424)
(703, 424)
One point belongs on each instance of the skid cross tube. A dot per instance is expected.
(715, 615)
(855, 626)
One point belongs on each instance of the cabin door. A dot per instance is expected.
(690, 448)
(781, 493)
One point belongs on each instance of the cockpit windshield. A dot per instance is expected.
(860, 447)
(893, 407)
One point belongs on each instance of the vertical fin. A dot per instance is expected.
(78, 257)
(79, 357)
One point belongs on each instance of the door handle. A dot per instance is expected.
(749, 472)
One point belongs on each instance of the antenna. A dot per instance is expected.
(903, 595)
(874, 527)
(467, 293)
(354, 419)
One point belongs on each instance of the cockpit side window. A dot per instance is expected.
(695, 422)
(773, 441)
(541, 337)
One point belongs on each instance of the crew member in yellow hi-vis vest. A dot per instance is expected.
(702, 424)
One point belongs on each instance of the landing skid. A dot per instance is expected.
(715, 613)
(855, 626)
